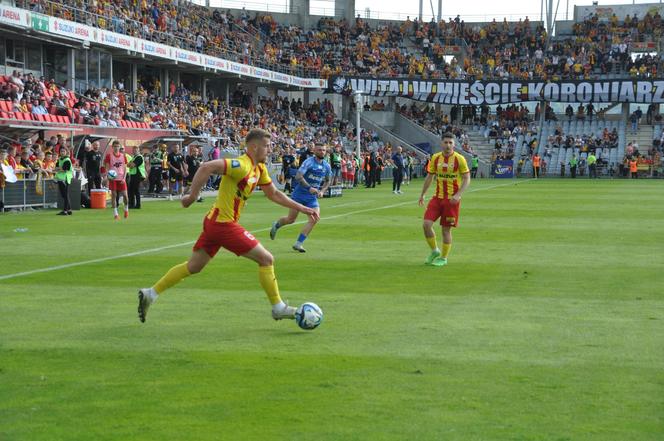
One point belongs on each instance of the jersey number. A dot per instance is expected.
(249, 235)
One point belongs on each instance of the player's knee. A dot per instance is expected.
(266, 259)
(194, 268)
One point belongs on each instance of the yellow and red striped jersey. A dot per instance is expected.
(241, 178)
(448, 171)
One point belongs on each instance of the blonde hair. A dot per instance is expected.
(256, 134)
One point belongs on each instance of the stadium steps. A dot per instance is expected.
(480, 145)
(644, 136)
(387, 134)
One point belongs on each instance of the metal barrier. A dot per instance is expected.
(23, 194)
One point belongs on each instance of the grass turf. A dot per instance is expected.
(547, 324)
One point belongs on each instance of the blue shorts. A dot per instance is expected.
(307, 199)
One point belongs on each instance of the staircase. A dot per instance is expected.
(480, 145)
(643, 137)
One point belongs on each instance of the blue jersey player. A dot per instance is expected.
(312, 179)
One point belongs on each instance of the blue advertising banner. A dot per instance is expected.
(503, 169)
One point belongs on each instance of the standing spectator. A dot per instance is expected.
(398, 171)
(536, 165)
(474, 161)
(573, 163)
(136, 176)
(177, 171)
(569, 112)
(93, 161)
(193, 162)
(592, 165)
(287, 169)
(634, 120)
(156, 160)
(381, 165)
(366, 167)
(633, 168)
(335, 163)
(409, 169)
(64, 174)
(306, 153)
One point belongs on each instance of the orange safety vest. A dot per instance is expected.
(633, 166)
(536, 161)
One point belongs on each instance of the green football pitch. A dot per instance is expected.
(547, 324)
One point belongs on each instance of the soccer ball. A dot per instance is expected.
(308, 316)
(112, 174)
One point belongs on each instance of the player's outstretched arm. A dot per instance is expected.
(216, 167)
(425, 187)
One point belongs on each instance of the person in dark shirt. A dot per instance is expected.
(177, 171)
(398, 171)
(193, 161)
(287, 167)
(93, 159)
(64, 172)
(136, 175)
(307, 153)
(156, 164)
(373, 167)
(380, 164)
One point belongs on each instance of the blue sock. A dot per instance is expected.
(301, 238)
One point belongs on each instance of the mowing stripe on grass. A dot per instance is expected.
(166, 247)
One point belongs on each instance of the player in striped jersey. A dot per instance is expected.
(221, 227)
(452, 175)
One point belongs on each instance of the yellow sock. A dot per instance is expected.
(172, 277)
(446, 249)
(432, 242)
(269, 283)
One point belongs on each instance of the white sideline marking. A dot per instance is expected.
(152, 250)
(346, 204)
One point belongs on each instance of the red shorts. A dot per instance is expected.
(443, 209)
(117, 185)
(229, 235)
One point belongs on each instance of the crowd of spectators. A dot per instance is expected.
(500, 50)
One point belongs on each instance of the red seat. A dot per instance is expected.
(5, 105)
(5, 115)
(38, 117)
(64, 119)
